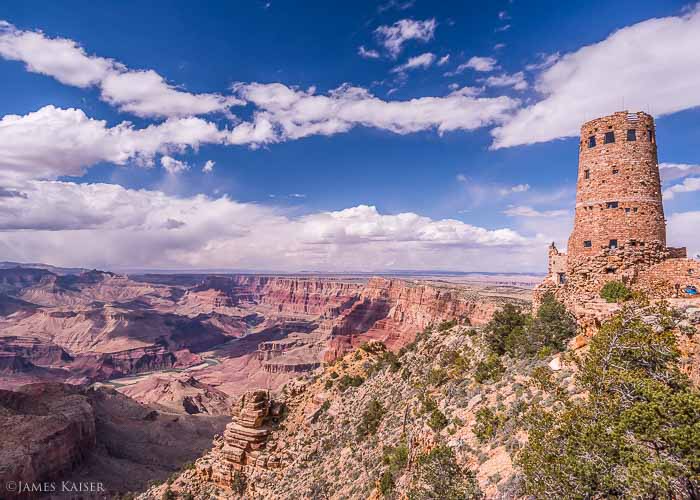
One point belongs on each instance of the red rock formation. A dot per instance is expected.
(47, 429)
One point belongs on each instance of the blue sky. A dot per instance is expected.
(355, 136)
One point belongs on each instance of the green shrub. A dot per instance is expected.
(328, 384)
(487, 424)
(239, 483)
(552, 327)
(506, 331)
(334, 375)
(447, 325)
(168, 495)
(437, 377)
(386, 483)
(615, 291)
(636, 431)
(489, 369)
(437, 421)
(438, 476)
(371, 418)
(396, 457)
(349, 381)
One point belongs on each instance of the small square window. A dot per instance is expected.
(609, 137)
(631, 135)
(635, 210)
(616, 171)
(586, 174)
(610, 270)
(591, 141)
(587, 244)
(612, 204)
(613, 244)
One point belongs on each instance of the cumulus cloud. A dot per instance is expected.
(367, 53)
(689, 185)
(107, 225)
(208, 167)
(652, 62)
(143, 93)
(54, 142)
(443, 60)
(395, 36)
(674, 171)
(295, 113)
(527, 211)
(682, 229)
(422, 61)
(173, 166)
(516, 80)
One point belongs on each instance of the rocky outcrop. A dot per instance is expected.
(246, 443)
(47, 430)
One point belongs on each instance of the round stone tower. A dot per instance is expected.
(618, 193)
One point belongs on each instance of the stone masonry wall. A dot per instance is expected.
(618, 195)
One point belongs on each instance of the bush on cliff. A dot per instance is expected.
(371, 418)
(438, 475)
(615, 291)
(487, 424)
(516, 333)
(551, 328)
(507, 330)
(489, 369)
(636, 433)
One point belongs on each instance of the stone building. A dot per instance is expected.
(619, 226)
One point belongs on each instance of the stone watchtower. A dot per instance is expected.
(619, 226)
(618, 193)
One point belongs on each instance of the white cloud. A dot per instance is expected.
(296, 113)
(143, 93)
(673, 171)
(208, 166)
(546, 60)
(395, 36)
(503, 15)
(105, 225)
(518, 188)
(367, 53)
(499, 46)
(443, 60)
(422, 61)
(481, 64)
(173, 166)
(53, 142)
(682, 229)
(654, 62)
(516, 80)
(505, 27)
(689, 185)
(527, 211)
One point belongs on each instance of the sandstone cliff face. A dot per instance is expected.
(47, 431)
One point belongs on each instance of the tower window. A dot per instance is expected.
(609, 137)
(616, 171)
(627, 210)
(587, 244)
(631, 135)
(611, 204)
(591, 141)
(635, 210)
(650, 135)
(610, 270)
(586, 174)
(613, 244)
